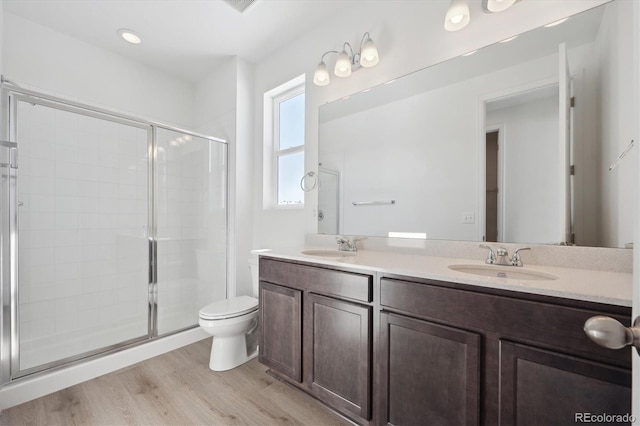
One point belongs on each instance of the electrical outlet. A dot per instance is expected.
(468, 217)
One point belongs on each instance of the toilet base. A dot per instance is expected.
(231, 352)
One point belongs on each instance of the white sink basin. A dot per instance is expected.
(512, 272)
(329, 253)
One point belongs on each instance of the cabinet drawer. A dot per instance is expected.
(318, 280)
(547, 324)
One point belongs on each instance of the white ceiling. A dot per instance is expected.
(186, 38)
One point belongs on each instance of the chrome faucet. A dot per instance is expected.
(501, 256)
(516, 260)
(491, 257)
(346, 244)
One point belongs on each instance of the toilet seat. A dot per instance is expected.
(229, 308)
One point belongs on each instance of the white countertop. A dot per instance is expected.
(613, 288)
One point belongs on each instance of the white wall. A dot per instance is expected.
(38, 57)
(529, 185)
(215, 114)
(409, 36)
(244, 171)
(223, 108)
(614, 48)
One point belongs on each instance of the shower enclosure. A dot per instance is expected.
(113, 230)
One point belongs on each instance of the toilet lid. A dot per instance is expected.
(229, 308)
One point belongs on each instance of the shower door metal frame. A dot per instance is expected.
(9, 317)
(7, 255)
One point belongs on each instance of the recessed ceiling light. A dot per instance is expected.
(558, 22)
(129, 36)
(509, 39)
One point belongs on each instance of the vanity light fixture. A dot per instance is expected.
(493, 6)
(347, 62)
(129, 36)
(457, 16)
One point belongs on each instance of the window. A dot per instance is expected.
(284, 144)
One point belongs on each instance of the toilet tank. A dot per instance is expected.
(253, 266)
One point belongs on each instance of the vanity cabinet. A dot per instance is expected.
(399, 350)
(459, 354)
(431, 373)
(545, 387)
(338, 342)
(280, 340)
(316, 332)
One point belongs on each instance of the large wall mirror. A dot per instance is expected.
(512, 143)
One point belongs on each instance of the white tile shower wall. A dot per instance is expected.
(83, 251)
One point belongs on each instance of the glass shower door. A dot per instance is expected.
(191, 223)
(83, 249)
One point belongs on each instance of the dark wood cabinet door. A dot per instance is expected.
(429, 373)
(338, 353)
(280, 330)
(540, 387)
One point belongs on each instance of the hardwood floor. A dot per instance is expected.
(176, 388)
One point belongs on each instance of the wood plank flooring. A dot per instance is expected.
(176, 388)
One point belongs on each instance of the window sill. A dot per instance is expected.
(286, 207)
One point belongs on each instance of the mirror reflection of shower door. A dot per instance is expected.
(83, 250)
(328, 201)
(191, 227)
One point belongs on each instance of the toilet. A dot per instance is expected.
(233, 323)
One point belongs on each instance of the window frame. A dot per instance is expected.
(272, 150)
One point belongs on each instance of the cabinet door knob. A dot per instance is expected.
(610, 333)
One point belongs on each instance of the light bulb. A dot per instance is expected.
(321, 76)
(343, 65)
(457, 16)
(369, 54)
(499, 5)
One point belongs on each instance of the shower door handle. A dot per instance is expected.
(10, 159)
